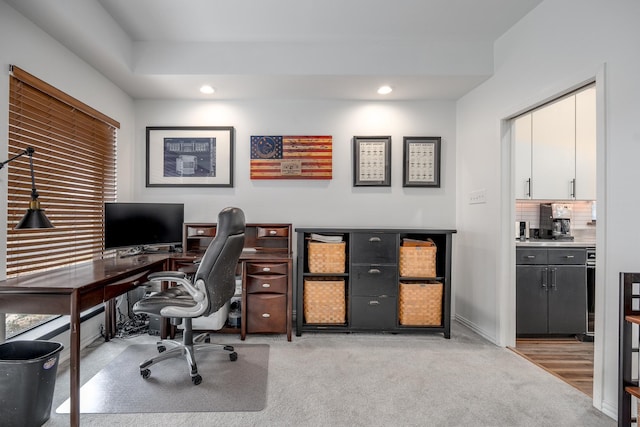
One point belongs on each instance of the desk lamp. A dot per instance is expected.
(34, 217)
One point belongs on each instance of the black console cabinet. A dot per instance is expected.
(372, 278)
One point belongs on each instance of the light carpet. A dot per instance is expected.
(235, 386)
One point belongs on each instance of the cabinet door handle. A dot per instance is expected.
(266, 285)
(553, 279)
(374, 271)
(545, 273)
(573, 188)
(266, 315)
(374, 240)
(266, 269)
(527, 192)
(374, 302)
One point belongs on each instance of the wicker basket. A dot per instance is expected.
(420, 304)
(418, 261)
(324, 301)
(327, 257)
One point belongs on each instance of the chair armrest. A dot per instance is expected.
(160, 276)
(181, 279)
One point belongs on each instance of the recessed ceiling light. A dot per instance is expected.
(207, 89)
(384, 90)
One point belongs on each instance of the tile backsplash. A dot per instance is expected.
(583, 213)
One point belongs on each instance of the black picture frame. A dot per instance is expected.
(190, 156)
(371, 161)
(421, 161)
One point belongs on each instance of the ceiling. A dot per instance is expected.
(289, 49)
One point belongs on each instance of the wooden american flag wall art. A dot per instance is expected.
(291, 157)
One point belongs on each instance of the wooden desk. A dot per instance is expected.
(71, 290)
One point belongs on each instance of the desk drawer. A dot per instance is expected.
(201, 231)
(266, 232)
(267, 283)
(267, 268)
(266, 313)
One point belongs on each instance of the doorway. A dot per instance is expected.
(568, 356)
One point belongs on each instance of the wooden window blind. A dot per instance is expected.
(75, 174)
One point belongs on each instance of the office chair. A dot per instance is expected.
(210, 288)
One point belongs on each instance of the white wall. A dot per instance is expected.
(560, 44)
(331, 203)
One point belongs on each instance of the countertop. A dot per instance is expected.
(576, 243)
(582, 238)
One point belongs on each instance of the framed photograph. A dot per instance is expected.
(421, 161)
(372, 161)
(190, 156)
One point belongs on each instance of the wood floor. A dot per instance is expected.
(567, 358)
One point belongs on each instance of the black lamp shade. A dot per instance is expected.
(34, 218)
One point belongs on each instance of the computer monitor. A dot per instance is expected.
(142, 226)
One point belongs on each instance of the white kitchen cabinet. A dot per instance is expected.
(586, 144)
(522, 148)
(555, 150)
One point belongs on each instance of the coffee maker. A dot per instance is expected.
(555, 221)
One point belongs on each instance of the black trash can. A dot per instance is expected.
(27, 380)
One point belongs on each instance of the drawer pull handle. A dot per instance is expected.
(374, 271)
(266, 315)
(531, 256)
(200, 232)
(266, 285)
(374, 240)
(273, 232)
(570, 256)
(374, 302)
(266, 269)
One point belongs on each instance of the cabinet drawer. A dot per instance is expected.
(201, 231)
(267, 283)
(374, 312)
(266, 313)
(531, 256)
(567, 256)
(267, 268)
(374, 280)
(265, 232)
(374, 248)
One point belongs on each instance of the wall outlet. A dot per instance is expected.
(478, 196)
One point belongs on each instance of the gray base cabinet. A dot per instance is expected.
(372, 279)
(551, 291)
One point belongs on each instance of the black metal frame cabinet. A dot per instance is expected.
(551, 291)
(372, 278)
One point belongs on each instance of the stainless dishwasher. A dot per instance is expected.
(591, 289)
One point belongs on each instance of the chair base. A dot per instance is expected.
(187, 349)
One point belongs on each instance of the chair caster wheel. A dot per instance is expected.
(162, 349)
(196, 380)
(233, 356)
(145, 373)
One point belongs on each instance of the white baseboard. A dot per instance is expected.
(475, 328)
